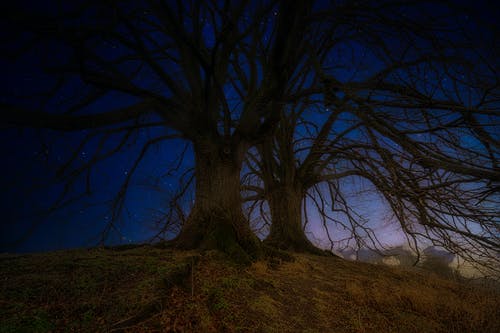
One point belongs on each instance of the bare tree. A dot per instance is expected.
(176, 65)
(419, 125)
(421, 107)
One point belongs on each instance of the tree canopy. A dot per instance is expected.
(402, 96)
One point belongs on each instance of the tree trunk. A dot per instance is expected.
(217, 220)
(286, 229)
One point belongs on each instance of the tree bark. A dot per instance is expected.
(286, 232)
(217, 220)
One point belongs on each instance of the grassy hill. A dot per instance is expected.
(148, 289)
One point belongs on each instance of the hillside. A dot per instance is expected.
(148, 289)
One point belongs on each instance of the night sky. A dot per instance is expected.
(29, 184)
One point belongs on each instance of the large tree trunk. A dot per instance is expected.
(217, 220)
(286, 231)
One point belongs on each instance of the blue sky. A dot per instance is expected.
(31, 158)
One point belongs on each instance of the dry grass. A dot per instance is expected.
(136, 290)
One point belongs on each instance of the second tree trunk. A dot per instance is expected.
(286, 230)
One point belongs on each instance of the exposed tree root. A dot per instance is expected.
(178, 276)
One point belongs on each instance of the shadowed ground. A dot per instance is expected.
(146, 289)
